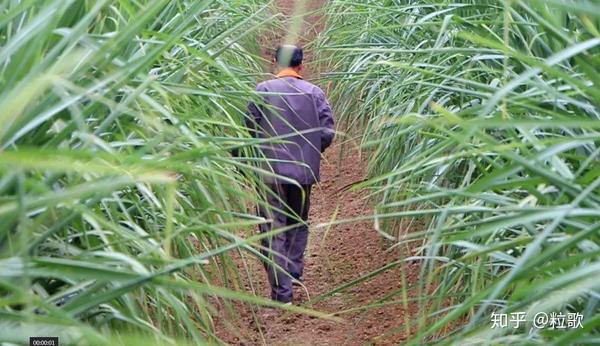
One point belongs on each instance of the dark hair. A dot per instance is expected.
(289, 56)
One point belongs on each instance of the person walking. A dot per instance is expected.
(298, 114)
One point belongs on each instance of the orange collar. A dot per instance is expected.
(288, 72)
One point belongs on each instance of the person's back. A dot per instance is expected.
(301, 118)
(297, 120)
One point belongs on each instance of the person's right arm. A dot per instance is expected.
(325, 120)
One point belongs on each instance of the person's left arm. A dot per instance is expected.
(251, 120)
(254, 117)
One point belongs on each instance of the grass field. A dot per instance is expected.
(482, 118)
(117, 184)
(122, 208)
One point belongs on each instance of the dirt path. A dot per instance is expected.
(335, 255)
(339, 255)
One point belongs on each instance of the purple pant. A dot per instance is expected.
(287, 207)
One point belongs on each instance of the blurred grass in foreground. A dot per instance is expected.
(119, 200)
(481, 120)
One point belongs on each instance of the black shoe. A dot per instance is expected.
(297, 280)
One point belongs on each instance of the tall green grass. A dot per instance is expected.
(120, 204)
(481, 118)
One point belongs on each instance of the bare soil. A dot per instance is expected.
(335, 255)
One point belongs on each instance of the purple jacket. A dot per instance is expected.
(297, 112)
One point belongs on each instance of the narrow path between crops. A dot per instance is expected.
(334, 256)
